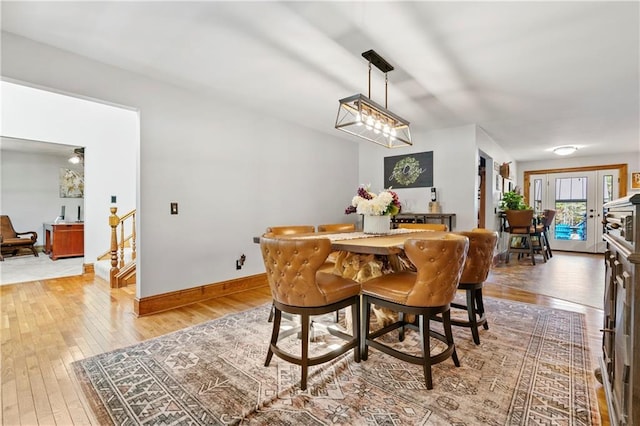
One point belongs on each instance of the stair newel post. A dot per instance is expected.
(114, 220)
(133, 237)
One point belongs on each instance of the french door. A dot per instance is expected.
(577, 198)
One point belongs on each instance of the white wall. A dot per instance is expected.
(108, 134)
(233, 172)
(29, 190)
(455, 169)
(632, 159)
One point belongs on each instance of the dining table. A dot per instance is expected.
(361, 256)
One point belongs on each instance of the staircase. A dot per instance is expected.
(118, 265)
(125, 276)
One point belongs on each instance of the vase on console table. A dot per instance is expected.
(377, 225)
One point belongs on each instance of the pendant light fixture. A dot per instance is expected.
(362, 117)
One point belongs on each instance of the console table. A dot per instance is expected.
(423, 218)
(63, 239)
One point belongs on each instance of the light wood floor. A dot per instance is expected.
(48, 324)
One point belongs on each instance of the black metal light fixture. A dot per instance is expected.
(362, 117)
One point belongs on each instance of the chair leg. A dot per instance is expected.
(401, 330)
(273, 308)
(364, 328)
(446, 324)
(480, 307)
(425, 343)
(532, 251)
(305, 351)
(355, 328)
(473, 320)
(35, 252)
(274, 334)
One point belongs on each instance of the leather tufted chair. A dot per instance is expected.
(274, 231)
(439, 261)
(482, 244)
(337, 227)
(426, 226)
(290, 230)
(299, 289)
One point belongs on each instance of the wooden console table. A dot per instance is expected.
(63, 239)
(423, 218)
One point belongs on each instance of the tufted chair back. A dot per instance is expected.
(290, 230)
(337, 227)
(426, 226)
(439, 261)
(482, 243)
(291, 266)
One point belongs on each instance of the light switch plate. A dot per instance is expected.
(174, 208)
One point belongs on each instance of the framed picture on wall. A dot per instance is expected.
(71, 183)
(635, 180)
(498, 183)
(409, 171)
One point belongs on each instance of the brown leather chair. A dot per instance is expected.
(274, 231)
(426, 293)
(482, 244)
(520, 227)
(290, 230)
(299, 289)
(337, 227)
(12, 241)
(426, 226)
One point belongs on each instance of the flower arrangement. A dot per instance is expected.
(368, 203)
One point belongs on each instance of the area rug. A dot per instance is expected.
(532, 367)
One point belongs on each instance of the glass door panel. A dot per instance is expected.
(577, 198)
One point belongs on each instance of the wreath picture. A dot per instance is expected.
(409, 171)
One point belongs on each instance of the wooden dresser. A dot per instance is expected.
(620, 362)
(64, 239)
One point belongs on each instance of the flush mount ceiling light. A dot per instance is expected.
(77, 157)
(362, 117)
(565, 150)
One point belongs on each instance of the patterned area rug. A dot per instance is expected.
(532, 367)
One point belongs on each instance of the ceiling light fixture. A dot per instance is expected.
(362, 117)
(77, 157)
(565, 150)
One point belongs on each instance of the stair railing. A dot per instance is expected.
(128, 221)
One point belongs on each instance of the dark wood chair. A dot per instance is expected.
(426, 293)
(519, 227)
(299, 289)
(12, 241)
(547, 222)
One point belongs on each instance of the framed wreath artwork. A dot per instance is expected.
(409, 171)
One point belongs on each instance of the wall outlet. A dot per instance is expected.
(174, 208)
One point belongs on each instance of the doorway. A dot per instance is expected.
(577, 197)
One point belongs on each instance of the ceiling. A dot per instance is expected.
(533, 75)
